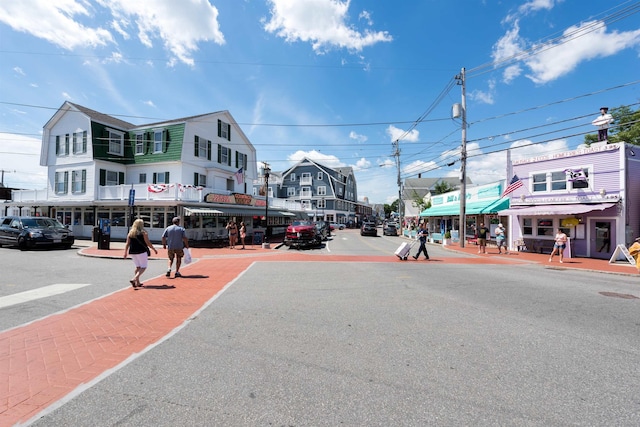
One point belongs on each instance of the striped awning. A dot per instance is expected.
(201, 211)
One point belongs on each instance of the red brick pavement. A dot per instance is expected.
(46, 360)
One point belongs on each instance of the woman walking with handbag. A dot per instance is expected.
(137, 246)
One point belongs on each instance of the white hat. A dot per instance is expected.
(500, 225)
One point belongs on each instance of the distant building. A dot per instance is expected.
(423, 189)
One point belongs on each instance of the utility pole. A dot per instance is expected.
(396, 153)
(463, 161)
(2, 177)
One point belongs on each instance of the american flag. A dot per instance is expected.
(240, 176)
(513, 186)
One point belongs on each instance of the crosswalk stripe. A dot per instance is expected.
(43, 292)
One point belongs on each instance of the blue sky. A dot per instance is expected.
(334, 80)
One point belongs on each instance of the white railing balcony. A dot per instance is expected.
(29, 195)
(306, 180)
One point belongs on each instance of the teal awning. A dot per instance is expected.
(473, 208)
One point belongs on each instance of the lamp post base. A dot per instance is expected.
(266, 245)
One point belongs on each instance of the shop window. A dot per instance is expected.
(539, 182)
(527, 226)
(89, 218)
(544, 227)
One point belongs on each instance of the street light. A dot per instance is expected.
(266, 172)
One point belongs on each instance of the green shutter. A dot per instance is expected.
(84, 142)
(229, 156)
(196, 145)
(237, 154)
(103, 177)
(66, 144)
(57, 145)
(229, 131)
(165, 140)
(195, 179)
(84, 181)
(219, 129)
(166, 178)
(155, 178)
(219, 153)
(120, 178)
(208, 150)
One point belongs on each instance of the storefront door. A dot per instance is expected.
(602, 239)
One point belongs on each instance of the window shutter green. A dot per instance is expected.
(228, 132)
(103, 177)
(84, 181)
(208, 150)
(165, 140)
(57, 145)
(120, 178)
(195, 179)
(155, 178)
(84, 142)
(219, 128)
(66, 144)
(237, 154)
(196, 145)
(229, 156)
(166, 178)
(219, 152)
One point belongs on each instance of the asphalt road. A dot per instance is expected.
(367, 344)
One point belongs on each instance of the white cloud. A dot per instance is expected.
(357, 137)
(361, 164)
(506, 48)
(62, 23)
(54, 21)
(149, 103)
(402, 135)
(485, 97)
(587, 41)
(18, 70)
(323, 23)
(324, 159)
(179, 28)
(65, 95)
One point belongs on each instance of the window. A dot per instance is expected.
(116, 143)
(292, 177)
(139, 143)
(545, 227)
(527, 226)
(539, 182)
(291, 191)
(62, 146)
(305, 192)
(322, 190)
(142, 178)
(241, 160)
(224, 155)
(79, 142)
(61, 181)
(112, 178)
(321, 204)
(79, 181)
(199, 179)
(157, 141)
(202, 148)
(320, 176)
(224, 130)
(305, 178)
(558, 181)
(161, 178)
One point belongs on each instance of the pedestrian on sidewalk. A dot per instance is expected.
(483, 232)
(243, 232)
(233, 234)
(501, 239)
(137, 247)
(174, 239)
(559, 245)
(422, 236)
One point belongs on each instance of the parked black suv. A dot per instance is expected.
(27, 232)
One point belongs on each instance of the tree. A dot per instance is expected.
(443, 187)
(419, 202)
(625, 128)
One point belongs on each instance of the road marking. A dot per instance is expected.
(44, 292)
